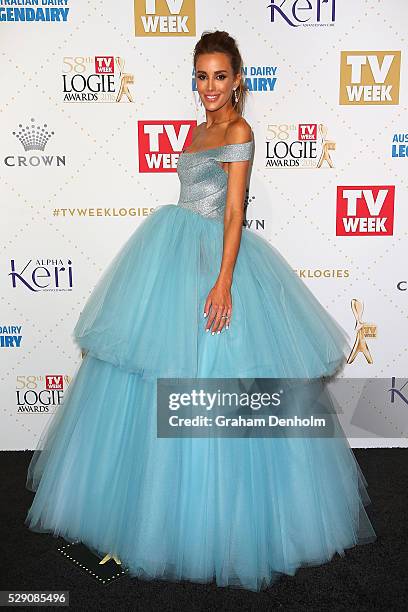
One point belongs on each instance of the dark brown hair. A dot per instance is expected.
(222, 42)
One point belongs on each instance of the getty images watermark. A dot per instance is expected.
(276, 407)
(245, 407)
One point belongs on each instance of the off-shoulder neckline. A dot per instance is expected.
(233, 144)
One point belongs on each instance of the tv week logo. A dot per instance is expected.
(161, 142)
(165, 17)
(104, 64)
(365, 210)
(370, 77)
(307, 131)
(54, 382)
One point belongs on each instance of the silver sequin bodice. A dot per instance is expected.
(203, 181)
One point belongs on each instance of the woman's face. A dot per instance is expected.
(215, 79)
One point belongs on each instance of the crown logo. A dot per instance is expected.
(33, 137)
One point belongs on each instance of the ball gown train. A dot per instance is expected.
(242, 511)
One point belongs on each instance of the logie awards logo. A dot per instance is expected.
(299, 146)
(100, 78)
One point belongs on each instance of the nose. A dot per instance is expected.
(211, 86)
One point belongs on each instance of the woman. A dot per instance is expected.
(242, 510)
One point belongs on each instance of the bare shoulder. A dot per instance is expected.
(238, 131)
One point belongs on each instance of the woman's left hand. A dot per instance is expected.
(218, 307)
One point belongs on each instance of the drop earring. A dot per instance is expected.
(236, 98)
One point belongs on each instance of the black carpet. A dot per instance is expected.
(370, 577)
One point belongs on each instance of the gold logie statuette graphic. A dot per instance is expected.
(126, 79)
(363, 331)
(327, 145)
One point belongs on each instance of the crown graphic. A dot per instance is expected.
(33, 137)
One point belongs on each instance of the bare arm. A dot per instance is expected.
(220, 296)
(234, 209)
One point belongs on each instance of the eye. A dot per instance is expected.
(219, 76)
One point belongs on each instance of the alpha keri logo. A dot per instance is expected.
(164, 17)
(365, 210)
(307, 14)
(51, 275)
(370, 77)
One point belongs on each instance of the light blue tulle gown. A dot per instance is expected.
(242, 511)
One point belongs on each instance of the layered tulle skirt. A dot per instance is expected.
(241, 511)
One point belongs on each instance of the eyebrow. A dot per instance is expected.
(215, 72)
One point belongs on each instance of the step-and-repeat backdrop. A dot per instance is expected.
(97, 101)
